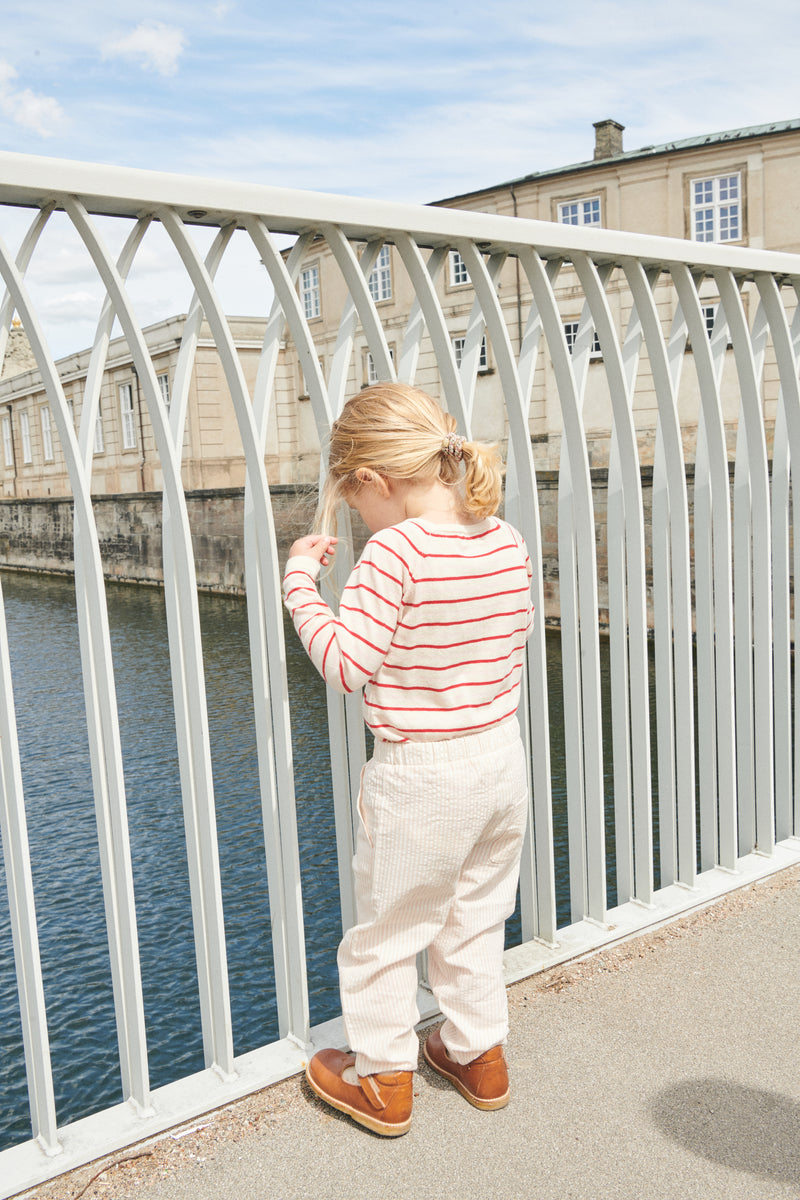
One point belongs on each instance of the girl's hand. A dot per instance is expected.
(317, 545)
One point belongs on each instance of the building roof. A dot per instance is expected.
(693, 143)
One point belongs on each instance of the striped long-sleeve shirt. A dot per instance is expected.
(432, 624)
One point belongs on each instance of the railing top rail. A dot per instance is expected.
(31, 181)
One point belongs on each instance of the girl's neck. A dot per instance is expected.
(436, 503)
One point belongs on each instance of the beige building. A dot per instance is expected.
(125, 458)
(737, 187)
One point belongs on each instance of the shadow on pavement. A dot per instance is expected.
(745, 1128)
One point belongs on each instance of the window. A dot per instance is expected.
(571, 333)
(709, 312)
(458, 349)
(372, 374)
(71, 410)
(163, 383)
(8, 442)
(458, 270)
(25, 429)
(580, 212)
(717, 208)
(99, 440)
(309, 292)
(126, 411)
(47, 434)
(380, 281)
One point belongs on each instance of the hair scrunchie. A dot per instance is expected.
(453, 444)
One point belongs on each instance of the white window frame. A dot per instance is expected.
(709, 312)
(458, 273)
(458, 350)
(8, 441)
(25, 431)
(571, 333)
(380, 280)
(716, 208)
(127, 416)
(163, 383)
(310, 292)
(586, 210)
(47, 433)
(99, 444)
(371, 373)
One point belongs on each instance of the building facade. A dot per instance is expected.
(738, 187)
(125, 459)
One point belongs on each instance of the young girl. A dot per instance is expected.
(432, 625)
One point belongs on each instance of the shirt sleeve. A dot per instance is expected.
(349, 648)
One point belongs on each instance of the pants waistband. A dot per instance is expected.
(448, 749)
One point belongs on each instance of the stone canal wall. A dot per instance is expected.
(36, 534)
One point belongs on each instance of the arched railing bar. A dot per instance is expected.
(188, 680)
(271, 345)
(579, 608)
(425, 290)
(538, 871)
(346, 726)
(715, 635)
(356, 276)
(470, 358)
(280, 826)
(99, 355)
(786, 450)
(188, 348)
(752, 537)
(628, 610)
(415, 327)
(103, 729)
(22, 914)
(24, 254)
(343, 350)
(677, 637)
(289, 300)
(625, 838)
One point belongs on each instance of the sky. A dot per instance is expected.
(411, 101)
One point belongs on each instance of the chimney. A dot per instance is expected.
(607, 139)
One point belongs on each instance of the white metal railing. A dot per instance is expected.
(740, 792)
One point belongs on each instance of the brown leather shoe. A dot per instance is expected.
(484, 1081)
(380, 1102)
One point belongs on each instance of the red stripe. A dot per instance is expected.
(356, 664)
(421, 687)
(455, 666)
(455, 645)
(359, 638)
(466, 537)
(368, 562)
(470, 599)
(514, 612)
(325, 657)
(362, 612)
(450, 709)
(461, 729)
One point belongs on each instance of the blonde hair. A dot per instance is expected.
(402, 433)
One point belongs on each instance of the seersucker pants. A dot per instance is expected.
(436, 867)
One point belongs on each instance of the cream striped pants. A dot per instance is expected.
(436, 867)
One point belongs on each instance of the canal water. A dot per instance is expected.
(43, 636)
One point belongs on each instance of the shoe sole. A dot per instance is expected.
(475, 1101)
(372, 1123)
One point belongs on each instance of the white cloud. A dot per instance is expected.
(155, 47)
(41, 114)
